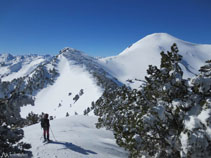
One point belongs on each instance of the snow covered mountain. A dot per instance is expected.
(73, 91)
(69, 82)
(62, 85)
(133, 62)
(12, 67)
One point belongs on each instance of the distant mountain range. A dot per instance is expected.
(72, 80)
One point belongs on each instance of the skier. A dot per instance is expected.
(45, 125)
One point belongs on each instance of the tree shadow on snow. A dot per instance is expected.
(74, 147)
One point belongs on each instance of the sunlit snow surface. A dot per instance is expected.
(56, 99)
(76, 137)
(13, 67)
(133, 62)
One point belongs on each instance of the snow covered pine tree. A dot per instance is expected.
(168, 117)
(10, 133)
(196, 135)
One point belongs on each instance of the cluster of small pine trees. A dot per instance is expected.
(33, 118)
(169, 116)
(10, 131)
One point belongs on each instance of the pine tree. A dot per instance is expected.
(10, 133)
(67, 114)
(142, 121)
(81, 92)
(32, 118)
(160, 121)
(196, 139)
(168, 117)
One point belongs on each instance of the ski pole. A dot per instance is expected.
(53, 134)
(41, 135)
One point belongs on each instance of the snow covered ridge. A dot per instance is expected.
(12, 67)
(104, 78)
(73, 90)
(71, 71)
(133, 62)
(40, 75)
(65, 84)
(21, 91)
(80, 82)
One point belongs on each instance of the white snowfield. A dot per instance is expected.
(76, 137)
(133, 62)
(57, 99)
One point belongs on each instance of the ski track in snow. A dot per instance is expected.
(76, 137)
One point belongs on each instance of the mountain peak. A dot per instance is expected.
(162, 39)
(6, 56)
(159, 35)
(133, 62)
(69, 50)
(154, 41)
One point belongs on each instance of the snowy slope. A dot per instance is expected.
(58, 99)
(12, 67)
(79, 72)
(80, 81)
(76, 137)
(133, 62)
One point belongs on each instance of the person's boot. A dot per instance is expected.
(45, 139)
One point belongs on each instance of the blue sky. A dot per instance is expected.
(98, 27)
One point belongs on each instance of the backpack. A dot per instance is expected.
(42, 123)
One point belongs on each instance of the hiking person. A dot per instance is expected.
(45, 125)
